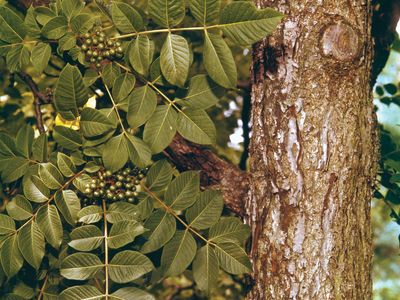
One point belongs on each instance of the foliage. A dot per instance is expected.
(143, 69)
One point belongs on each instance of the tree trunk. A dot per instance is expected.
(313, 153)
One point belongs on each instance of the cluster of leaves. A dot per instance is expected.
(147, 96)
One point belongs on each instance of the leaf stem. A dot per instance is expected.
(105, 248)
(200, 28)
(42, 289)
(115, 107)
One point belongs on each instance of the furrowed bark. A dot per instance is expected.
(216, 173)
(313, 153)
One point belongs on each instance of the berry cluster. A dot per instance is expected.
(123, 185)
(98, 47)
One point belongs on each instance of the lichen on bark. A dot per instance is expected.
(313, 153)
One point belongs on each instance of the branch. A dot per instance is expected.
(216, 173)
(39, 99)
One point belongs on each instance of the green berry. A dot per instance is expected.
(110, 196)
(84, 47)
(119, 50)
(110, 43)
(141, 176)
(89, 52)
(118, 184)
(102, 34)
(128, 185)
(128, 193)
(137, 182)
(86, 35)
(88, 191)
(93, 185)
(101, 46)
(135, 194)
(95, 53)
(92, 60)
(118, 44)
(131, 200)
(101, 39)
(112, 52)
(102, 184)
(121, 196)
(95, 41)
(88, 41)
(96, 194)
(112, 188)
(108, 173)
(98, 65)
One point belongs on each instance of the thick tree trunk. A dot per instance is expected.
(313, 153)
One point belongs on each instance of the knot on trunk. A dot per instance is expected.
(340, 41)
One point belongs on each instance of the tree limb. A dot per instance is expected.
(216, 173)
(39, 99)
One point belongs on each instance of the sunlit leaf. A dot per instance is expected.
(206, 268)
(31, 244)
(50, 225)
(80, 266)
(86, 238)
(232, 258)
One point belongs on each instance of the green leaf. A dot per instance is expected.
(159, 176)
(206, 268)
(206, 210)
(71, 7)
(7, 146)
(19, 208)
(115, 153)
(110, 72)
(67, 137)
(139, 152)
(244, 24)
(123, 233)
(13, 29)
(140, 54)
(128, 265)
(121, 211)
(90, 77)
(39, 148)
(40, 56)
(90, 214)
(175, 59)
(51, 176)
(122, 86)
(229, 229)
(205, 11)
(142, 103)
(178, 253)
(131, 293)
(67, 42)
(218, 61)
(31, 244)
(7, 225)
(35, 190)
(17, 58)
(66, 165)
(167, 13)
(81, 292)
(182, 191)
(80, 266)
(68, 204)
(202, 93)
(44, 14)
(55, 28)
(94, 123)
(81, 181)
(86, 238)
(162, 227)
(50, 225)
(24, 140)
(11, 257)
(126, 18)
(15, 168)
(196, 126)
(160, 129)
(232, 258)
(31, 25)
(82, 23)
(70, 92)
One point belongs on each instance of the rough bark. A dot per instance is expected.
(216, 173)
(313, 153)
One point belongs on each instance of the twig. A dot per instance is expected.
(39, 98)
